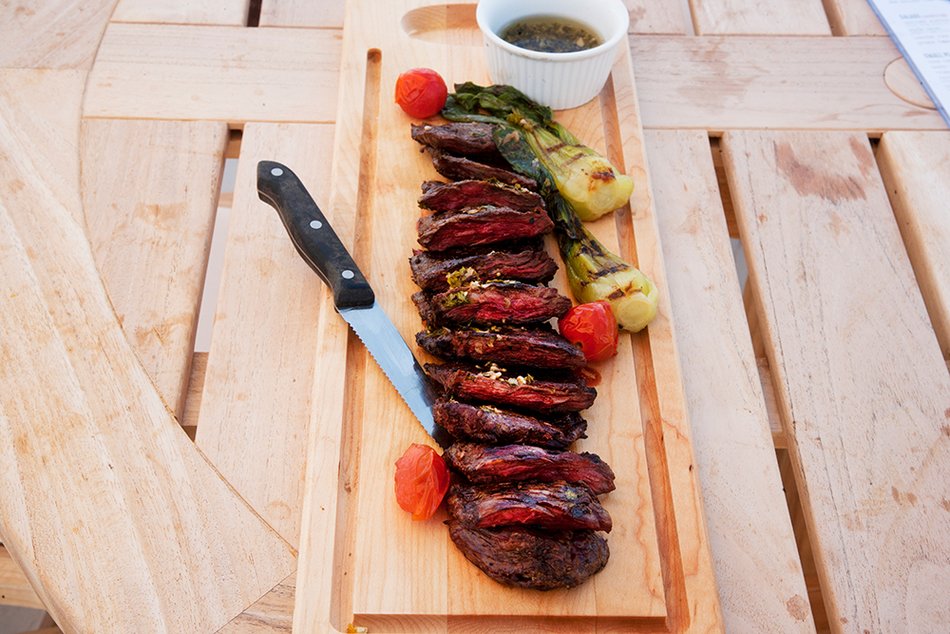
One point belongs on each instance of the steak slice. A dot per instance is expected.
(532, 264)
(458, 168)
(550, 505)
(516, 346)
(491, 386)
(466, 194)
(516, 463)
(495, 304)
(479, 226)
(491, 426)
(458, 138)
(527, 558)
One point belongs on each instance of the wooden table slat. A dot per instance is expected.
(101, 488)
(757, 568)
(853, 17)
(660, 16)
(863, 389)
(773, 17)
(718, 83)
(149, 197)
(219, 73)
(229, 12)
(302, 13)
(54, 34)
(256, 403)
(916, 172)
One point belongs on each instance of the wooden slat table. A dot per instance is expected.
(818, 393)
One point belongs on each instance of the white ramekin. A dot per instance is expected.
(558, 80)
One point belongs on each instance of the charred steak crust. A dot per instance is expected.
(492, 426)
(497, 304)
(516, 463)
(458, 168)
(425, 308)
(466, 194)
(483, 225)
(547, 397)
(532, 559)
(550, 505)
(458, 138)
(532, 348)
(531, 264)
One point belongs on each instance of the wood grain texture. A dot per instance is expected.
(271, 614)
(322, 13)
(760, 578)
(761, 17)
(853, 17)
(863, 390)
(15, 588)
(719, 83)
(916, 172)
(59, 34)
(149, 195)
(323, 597)
(805, 550)
(254, 416)
(659, 16)
(100, 488)
(221, 12)
(217, 73)
(771, 403)
(47, 127)
(394, 556)
(690, 585)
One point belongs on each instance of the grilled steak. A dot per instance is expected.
(493, 387)
(532, 559)
(551, 505)
(458, 138)
(531, 264)
(494, 303)
(472, 193)
(516, 463)
(492, 426)
(459, 168)
(515, 346)
(479, 226)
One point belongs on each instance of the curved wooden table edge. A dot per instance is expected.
(166, 514)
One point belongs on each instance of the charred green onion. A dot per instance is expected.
(593, 272)
(586, 179)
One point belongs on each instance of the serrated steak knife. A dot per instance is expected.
(319, 246)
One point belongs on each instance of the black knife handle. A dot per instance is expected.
(312, 235)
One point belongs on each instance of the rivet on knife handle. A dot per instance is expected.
(312, 235)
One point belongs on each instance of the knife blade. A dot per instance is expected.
(319, 246)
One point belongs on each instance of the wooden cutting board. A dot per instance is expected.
(393, 574)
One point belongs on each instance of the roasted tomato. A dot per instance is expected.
(592, 327)
(421, 92)
(421, 481)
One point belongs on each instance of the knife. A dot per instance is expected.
(319, 246)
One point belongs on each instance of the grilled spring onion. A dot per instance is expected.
(593, 272)
(586, 179)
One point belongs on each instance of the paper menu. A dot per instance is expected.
(921, 30)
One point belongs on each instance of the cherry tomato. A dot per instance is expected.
(421, 92)
(593, 327)
(421, 481)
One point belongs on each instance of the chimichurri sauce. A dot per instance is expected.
(550, 34)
